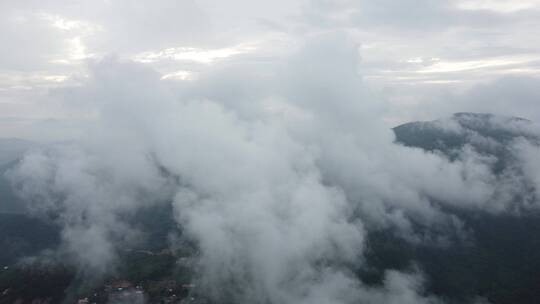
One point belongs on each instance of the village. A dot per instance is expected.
(122, 291)
(145, 276)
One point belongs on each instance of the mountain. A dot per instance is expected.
(488, 134)
(11, 149)
(22, 235)
(9, 202)
(466, 128)
(500, 264)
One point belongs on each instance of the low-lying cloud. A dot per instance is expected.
(277, 174)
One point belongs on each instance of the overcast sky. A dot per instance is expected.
(423, 58)
(265, 126)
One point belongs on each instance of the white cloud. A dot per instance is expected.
(476, 40)
(268, 196)
(273, 136)
(448, 66)
(498, 5)
(193, 54)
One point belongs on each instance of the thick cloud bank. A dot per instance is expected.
(276, 172)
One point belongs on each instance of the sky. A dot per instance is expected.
(265, 127)
(425, 59)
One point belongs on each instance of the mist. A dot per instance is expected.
(276, 175)
(275, 136)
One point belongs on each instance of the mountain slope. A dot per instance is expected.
(11, 149)
(486, 133)
(500, 262)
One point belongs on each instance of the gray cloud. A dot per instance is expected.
(277, 182)
(119, 26)
(505, 96)
(415, 15)
(278, 159)
(413, 47)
